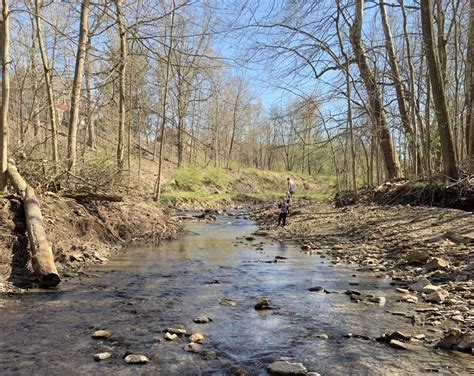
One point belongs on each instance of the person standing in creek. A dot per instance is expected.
(284, 211)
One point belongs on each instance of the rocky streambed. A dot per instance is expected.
(226, 298)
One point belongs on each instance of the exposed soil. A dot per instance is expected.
(81, 233)
(394, 241)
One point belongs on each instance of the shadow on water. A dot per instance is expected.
(143, 291)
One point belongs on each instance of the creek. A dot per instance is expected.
(145, 290)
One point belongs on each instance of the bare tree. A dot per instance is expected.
(438, 90)
(77, 86)
(4, 51)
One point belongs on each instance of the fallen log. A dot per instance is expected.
(42, 258)
(88, 197)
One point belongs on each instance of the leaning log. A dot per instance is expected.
(42, 258)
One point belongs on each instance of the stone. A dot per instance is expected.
(305, 247)
(263, 304)
(400, 345)
(313, 374)
(322, 336)
(419, 337)
(436, 263)
(179, 330)
(402, 291)
(380, 300)
(101, 334)
(102, 356)
(316, 289)
(260, 233)
(196, 337)
(417, 257)
(227, 302)
(458, 341)
(202, 320)
(249, 238)
(428, 289)
(193, 347)
(240, 372)
(418, 286)
(281, 258)
(171, 337)
(136, 359)
(409, 299)
(437, 296)
(286, 368)
(400, 336)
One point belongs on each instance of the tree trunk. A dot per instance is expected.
(400, 91)
(438, 91)
(91, 136)
(49, 88)
(122, 77)
(378, 113)
(76, 88)
(42, 258)
(4, 50)
(470, 135)
(163, 109)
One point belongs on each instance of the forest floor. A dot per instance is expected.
(428, 253)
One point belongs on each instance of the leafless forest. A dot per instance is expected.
(363, 91)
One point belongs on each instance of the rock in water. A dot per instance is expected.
(202, 320)
(136, 359)
(171, 337)
(286, 368)
(102, 356)
(228, 302)
(316, 289)
(263, 305)
(437, 263)
(196, 337)
(193, 347)
(400, 345)
(101, 334)
(179, 330)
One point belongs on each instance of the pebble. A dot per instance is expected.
(193, 347)
(196, 337)
(171, 337)
(263, 304)
(380, 300)
(316, 289)
(286, 368)
(400, 345)
(102, 356)
(136, 359)
(101, 334)
(179, 330)
(227, 302)
(202, 320)
(438, 296)
(323, 336)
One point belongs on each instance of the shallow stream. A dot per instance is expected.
(143, 291)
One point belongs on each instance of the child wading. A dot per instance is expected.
(284, 210)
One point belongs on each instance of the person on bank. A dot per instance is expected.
(284, 211)
(291, 187)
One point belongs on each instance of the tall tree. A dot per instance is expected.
(77, 86)
(470, 134)
(49, 87)
(4, 51)
(378, 115)
(438, 90)
(122, 78)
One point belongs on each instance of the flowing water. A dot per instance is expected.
(143, 291)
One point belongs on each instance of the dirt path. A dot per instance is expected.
(408, 244)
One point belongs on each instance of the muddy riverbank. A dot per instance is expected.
(219, 271)
(81, 234)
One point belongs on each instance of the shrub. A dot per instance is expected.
(188, 179)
